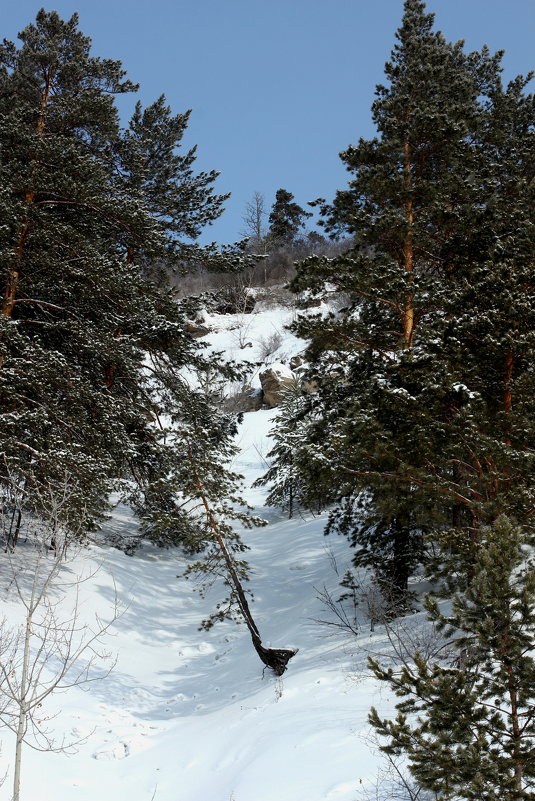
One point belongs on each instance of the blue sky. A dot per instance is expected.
(278, 87)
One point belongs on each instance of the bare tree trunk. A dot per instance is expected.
(13, 536)
(23, 707)
(46, 641)
(22, 701)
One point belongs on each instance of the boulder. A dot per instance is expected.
(197, 330)
(275, 380)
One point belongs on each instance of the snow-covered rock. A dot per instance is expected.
(296, 361)
(275, 380)
(197, 330)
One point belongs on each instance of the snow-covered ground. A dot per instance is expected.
(189, 715)
(259, 337)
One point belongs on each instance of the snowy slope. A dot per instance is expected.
(187, 715)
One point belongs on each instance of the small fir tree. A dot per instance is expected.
(194, 503)
(467, 727)
(283, 476)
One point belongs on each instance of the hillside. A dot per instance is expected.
(186, 715)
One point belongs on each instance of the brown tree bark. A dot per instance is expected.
(408, 251)
(13, 277)
(275, 658)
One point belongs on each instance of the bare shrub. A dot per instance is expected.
(49, 649)
(274, 265)
(275, 297)
(269, 344)
(342, 618)
(394, 783)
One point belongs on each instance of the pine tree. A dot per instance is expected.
(89, 346)
(486, 332)
(283, 476)
(286, 219)
(102, 387)
(61, 277)
(404, 422)
(467, 725)
(194, 501)
(162, 179)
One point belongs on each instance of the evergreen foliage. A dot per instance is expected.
(467, 726)
(193, 500)
(282, 475)
(423, 423)
(425, 379)
(92, 352)
(286, 219)
(153, 171)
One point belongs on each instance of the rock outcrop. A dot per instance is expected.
(197, 330)
(274, 381)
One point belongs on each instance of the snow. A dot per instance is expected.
(261, 336)
(189, 715)
(281, 370)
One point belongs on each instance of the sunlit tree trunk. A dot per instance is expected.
(13, 277)
(408, 251)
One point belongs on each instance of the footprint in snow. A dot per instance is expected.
(118, 751)
(220, 658)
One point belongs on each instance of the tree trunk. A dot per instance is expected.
(408, 252)
(395, 586)
(22, 703)
(13, 277)
(21, 728)
(291, 490)
(14, 530)
(508, 395)
(275, 658)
